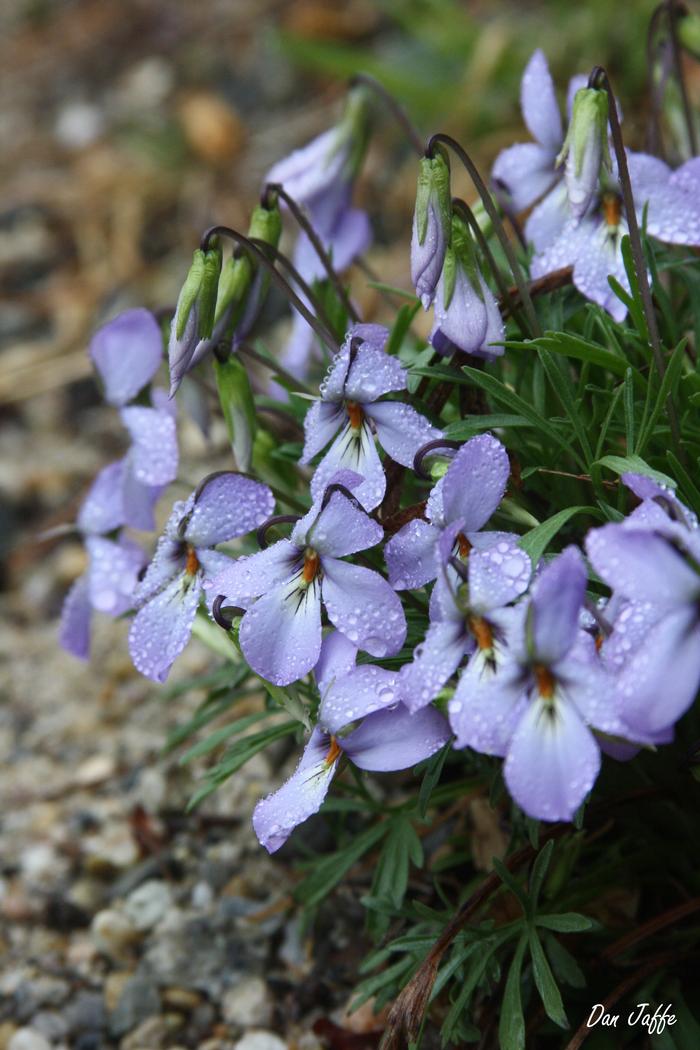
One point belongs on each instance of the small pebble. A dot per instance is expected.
(247, 1004)
(260, 1040)
(28, 1039)
(113, 933)
(148, 903)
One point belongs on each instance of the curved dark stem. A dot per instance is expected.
(264, 259)
(426, 449)
(672, 9)
(276, 519)
(217, 612)
(468, 215)
(395, 108)
(599, 78)
(279, 257)
(303, 221)
(487, 199)
(655, 135)
(274, 366)
(337, 487)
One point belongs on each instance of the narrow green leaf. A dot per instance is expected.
(539, 870)
(505, 396)
(511, 1026)
(628, 405)
(546, 985)
(328, 872)
(536, 541)
(566, 922)
(560, 381)
(512, 883)
(217, 738)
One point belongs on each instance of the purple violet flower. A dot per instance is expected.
(465, 497)
(225, 506)
(387, 739)
(360, 374)
(537, 706)
(467, 611)
(652, 560)
(284, 587)
(108, 583)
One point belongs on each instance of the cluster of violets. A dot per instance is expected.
(517, 660)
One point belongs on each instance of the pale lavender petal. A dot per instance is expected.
(410, 555)
(356, 694)
(162, 628)
(524, 173)
(487, 705)
(434, 662)
(592, 691)
(395, 739)
(154, 452)
(341, 528)
(298, 351)
(248, 577)
(355, 450)
(557, 597)
(642, 566)
(401, 430)
(212, 565)
(564, 250)
(227, 505)
(103, 509)
(351, 236)
(372, 374)
(672, 198)
(552, 763)
(74, 629)
(538, 102)
(599, 259)
(495, 329)
(630, 628)
(428, 257)
(463, 322)
(127, 353)
(323, 421)
(113, 573)
(661, 679)
(312, 169)
(168, 562)
(276, 816)
(280, 633)
(475, 482)
(139, 500)
(498, 572)
(546, 223)
(338, 656)
(362, 605)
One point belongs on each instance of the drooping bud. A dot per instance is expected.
(466, 314)
(431, 225)
(585, 148)
(330, 159)
(195, 312)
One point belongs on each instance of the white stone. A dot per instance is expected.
(148, 903)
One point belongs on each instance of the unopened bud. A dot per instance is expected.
(585, 148)
(431, 225)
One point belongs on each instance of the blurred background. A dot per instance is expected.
(126, 128)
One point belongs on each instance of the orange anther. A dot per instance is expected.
(192, 563)
(354, 414)
(311, 566)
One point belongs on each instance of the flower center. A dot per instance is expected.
(192, 562)
(333, 752)
(612, 209)
(312, 565)
(545, 681)
(355, 414)
(463, 545)
(482, 631)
